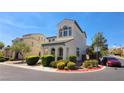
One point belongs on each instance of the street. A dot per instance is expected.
(9, 73)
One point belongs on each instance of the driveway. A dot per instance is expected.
(9, 73)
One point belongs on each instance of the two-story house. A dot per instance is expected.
(70, 40)
(34, 41)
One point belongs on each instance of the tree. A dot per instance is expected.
(1, 45)
(21, 48)
(100, 43)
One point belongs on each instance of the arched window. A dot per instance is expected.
(65, 31)
(65, 27)
(60, 52)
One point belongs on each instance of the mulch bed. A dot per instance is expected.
(84, 70)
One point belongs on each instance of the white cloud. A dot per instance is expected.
(17, 24)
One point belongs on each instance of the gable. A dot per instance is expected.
(70, 22)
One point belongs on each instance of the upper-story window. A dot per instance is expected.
(53, 39)
(65, 31)
(60, 33)
(49, 40)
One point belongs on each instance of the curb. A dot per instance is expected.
(47, 69)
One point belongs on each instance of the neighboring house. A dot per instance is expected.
(70, 40)
(32, 40)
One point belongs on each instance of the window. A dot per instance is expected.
(65, 27)
(65, 33)
(53, 39)
(70, 31)
(78, 52)
(49, 40)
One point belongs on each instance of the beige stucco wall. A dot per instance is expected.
(78, 41)
(34, 41)
(79, 38)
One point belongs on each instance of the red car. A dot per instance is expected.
(111, 61)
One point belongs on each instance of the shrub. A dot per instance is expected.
(83, 57)
(72, 58)
(47, 59)
(90, 63)
(95, 63)
(11, 59)
(66, 68)
(61, 65)
(2, 59)
(6, 58)
(54, 64)
(32, 60)
(71, 65)
(59, 58)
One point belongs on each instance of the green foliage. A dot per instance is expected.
(32, 60)
(90, 63)
(11, 59)
(54, 64)
(2, 59)
(66, 68)
(21, 48)
(61, 65)
(72, 58)
(1, 45)
(47, 59)
(71, 65)
(100, 42)
(1, 54)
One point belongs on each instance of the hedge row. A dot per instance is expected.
(90, 63)
(62, 64)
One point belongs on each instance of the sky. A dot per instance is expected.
(16, 24)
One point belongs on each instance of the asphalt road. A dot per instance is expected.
(9, 73)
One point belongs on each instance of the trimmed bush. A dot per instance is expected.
(47, 59)
(90, 63)
(32, 60)
(71, 65)
(54, 64)
(72, 58)
(2, 59)
(61, 65)
(6, 58)
(11, 59)
(59, 58)
(66, 68)
(95, 63)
